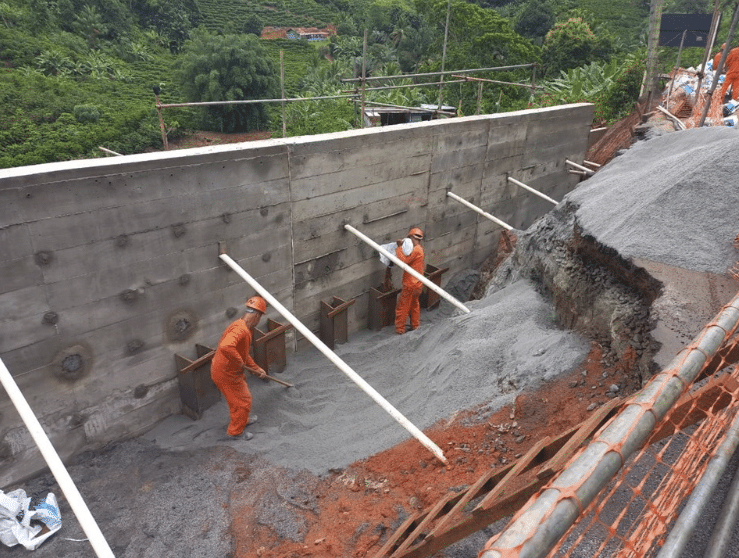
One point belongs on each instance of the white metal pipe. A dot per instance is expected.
(87, 522)
(592, 164)
(695, 507)
(718, 546)
(530, 189)
(480, 211)
(580, 167)
(405, 267)
(333, 357)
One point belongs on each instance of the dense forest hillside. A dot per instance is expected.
(77, 75)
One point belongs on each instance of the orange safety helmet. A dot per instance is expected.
(257, 303)
(416, 232)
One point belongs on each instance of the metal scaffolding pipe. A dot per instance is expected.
(405, 267)
(334, 358)
(446, 73)
(683, 529)
(530, 189)
(592, 164)
(80, 509)
(580, 167)
(718, 546)
(256, 101)
(545, 519)
(503, 224)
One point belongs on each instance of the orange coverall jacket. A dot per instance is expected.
(732, 74)
(408, 304)
(227, 373)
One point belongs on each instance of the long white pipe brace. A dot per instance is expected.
(405, 267)
(333, 357)
(530, 189)
(503, 224)
(580, 167)
(90, 527)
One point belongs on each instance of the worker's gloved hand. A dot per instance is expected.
(260, 373)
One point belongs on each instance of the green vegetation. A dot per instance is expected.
(77, 75)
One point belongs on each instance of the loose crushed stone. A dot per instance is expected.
(673, 199)
(453, 362)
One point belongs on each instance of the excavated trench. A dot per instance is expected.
(593, 290)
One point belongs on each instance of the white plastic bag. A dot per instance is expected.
(407, 249)
(14, 531)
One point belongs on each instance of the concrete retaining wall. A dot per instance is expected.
(109, 266)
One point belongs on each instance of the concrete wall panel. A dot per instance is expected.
(116, 260)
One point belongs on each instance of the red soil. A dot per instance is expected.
(408, 476)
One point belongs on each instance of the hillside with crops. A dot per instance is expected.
(78, 75)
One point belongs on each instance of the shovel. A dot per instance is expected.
(268, 377)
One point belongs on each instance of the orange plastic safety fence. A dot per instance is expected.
(634, 515)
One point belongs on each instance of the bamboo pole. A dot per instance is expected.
(443, 51)
(709, 45)
(282, 89)
(677, 67)
(364, 75)
(161, 120)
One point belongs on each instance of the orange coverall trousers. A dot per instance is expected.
(227, 373)
(408, 303)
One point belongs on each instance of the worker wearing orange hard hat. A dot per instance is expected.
(232, 360)
(718, 57)
(408, 304)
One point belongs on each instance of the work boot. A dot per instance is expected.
(243, 436)
(252, 419)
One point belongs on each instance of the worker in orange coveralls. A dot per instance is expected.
(232, 360)
(412, 287)
(732, 74)
(731, 69)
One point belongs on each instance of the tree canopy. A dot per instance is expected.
(228, 68)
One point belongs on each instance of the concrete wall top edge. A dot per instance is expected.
(9, 178)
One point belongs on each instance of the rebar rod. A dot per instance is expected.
(723, 531)
(80, 509)
(545, 519)
(533, 191)
(336, 360)
(485, 214)
(405, 267)
(685, 525)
